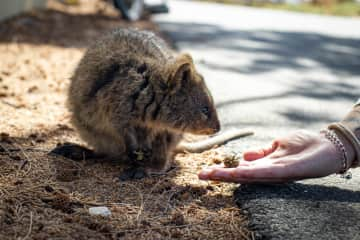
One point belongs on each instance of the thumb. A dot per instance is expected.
(252, 155)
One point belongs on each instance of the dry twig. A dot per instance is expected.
(30, 227)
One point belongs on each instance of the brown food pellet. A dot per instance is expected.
(231, 161)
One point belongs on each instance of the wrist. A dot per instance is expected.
(340, 153)
(350, 137)
(348, 147)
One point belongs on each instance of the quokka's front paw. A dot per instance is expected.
(132, 173)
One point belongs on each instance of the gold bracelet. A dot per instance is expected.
(350, 136)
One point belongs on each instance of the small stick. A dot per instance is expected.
(27, 161)
(10, 104)
(30, 227)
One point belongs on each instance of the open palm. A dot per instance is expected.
(299, 155)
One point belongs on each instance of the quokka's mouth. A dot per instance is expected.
(208, 131)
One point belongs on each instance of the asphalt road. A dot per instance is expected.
(275, 72)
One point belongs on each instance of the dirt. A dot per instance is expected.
(47, 197)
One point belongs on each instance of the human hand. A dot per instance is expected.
(299, 155)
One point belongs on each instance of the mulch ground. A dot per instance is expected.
(47, 197)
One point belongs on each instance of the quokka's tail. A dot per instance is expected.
(215, 140)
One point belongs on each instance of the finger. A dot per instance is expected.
(254, 155)
(218, 174)
(208, 170)
(257, 154)
(260, 180)
(264, 170)
(205, 174)
(270, 173)
(228, 177)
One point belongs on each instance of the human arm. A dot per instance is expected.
(299, 155)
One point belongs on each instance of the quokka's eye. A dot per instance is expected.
(205, 110)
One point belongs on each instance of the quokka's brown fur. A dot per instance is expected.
(131, 95)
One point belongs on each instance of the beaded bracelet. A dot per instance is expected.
(350, 136)
(334, 139)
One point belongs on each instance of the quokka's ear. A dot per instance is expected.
(180, 72)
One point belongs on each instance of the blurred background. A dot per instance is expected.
(272, 66)
(132, 9)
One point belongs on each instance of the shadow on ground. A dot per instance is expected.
(315, 89)
(53, 194)
(274, 49)
(297, 191)
(290, 211)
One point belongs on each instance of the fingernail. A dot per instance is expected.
(205, 173)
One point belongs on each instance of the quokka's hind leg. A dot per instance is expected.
(74, 151)
(102, 144)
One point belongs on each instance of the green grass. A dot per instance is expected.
(346, 8)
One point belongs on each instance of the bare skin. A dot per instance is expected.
(300, 155)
